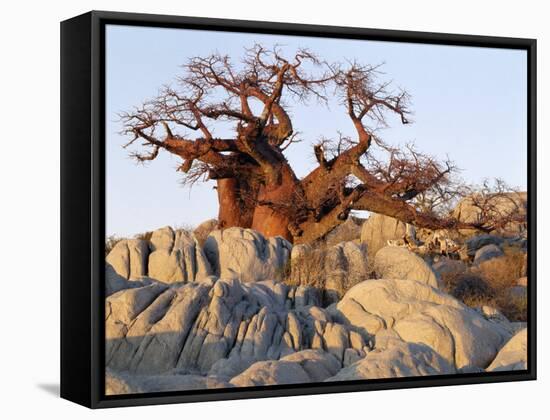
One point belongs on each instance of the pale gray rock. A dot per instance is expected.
(247, 255)
(501, 205)
(121, 383)
(475, 243)
(348, 231)
(345, 265)
(513, 356)
(176, 256)
(394, 358)
(319, 365)
(378, 229)
(202, 231)
(272, 372)
(129, 258)
(399, 263)
(487, 253)
(418, 313)
(150, 340)
(447, 267)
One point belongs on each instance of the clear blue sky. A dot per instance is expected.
(468, 103)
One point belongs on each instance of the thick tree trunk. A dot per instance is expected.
(275, 206)
(233, 210)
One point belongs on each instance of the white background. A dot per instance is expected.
(29, 174)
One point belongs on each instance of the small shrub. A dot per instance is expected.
(472, 290)
(503, 272)
(512, 307)
(110, 243)
(145, 236)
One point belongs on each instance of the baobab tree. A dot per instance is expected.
(256, 185)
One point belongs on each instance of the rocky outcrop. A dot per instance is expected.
(117, 383)
(302, 367)
(176, 256)
(394, 358)
(202, 231)
(247, 255)
(513, 356)
(378, 229)
(345, 265)
(170, 256)
(334, 269)
(348, 231)
(218, 329)
(422, 314)
(129, 257)
(187, 329)
(398, 263)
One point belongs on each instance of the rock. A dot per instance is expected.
(345, 265)
(522, 281)
(333, 269)
(272, 372)
(378, 229)
(394, 358)
(219, 329)
(348, 231)
(422, 314)
(129, 258)
(119, 384)
(202, 231)
(115, 282)
(336, 340)
(513, 356)
(501, 205)
(319, 365)
(247, 255)
(475, 243)
(399, 263)
(487, 253)
(517, 292)
(447, 267)
(146, 335)
(176, 257)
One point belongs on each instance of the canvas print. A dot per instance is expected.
(296, 210)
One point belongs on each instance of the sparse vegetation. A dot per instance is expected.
(489, 283)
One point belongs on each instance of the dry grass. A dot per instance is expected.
(489, 284)
(308, 270)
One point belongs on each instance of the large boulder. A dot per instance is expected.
(128, 258)
(394, 358)
(513, 356)
(500, 205)
(176, 256)
(202, 231)
(399, 263)
(247, 255)
(345, 265)
(219, 329)
(378, 229)
(146, 327)
(350, 230)
(332, 269)
(487, 253)
(419, 313)
(272, 372)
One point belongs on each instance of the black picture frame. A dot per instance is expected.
(83, 206)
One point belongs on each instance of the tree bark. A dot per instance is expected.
(233, 210)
